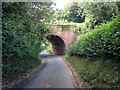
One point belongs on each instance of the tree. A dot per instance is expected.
(41, 11)
(97, 13)
(74, 13)
(23, 32)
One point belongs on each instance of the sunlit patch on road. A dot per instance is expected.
(45, 85)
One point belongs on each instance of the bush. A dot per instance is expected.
(104, 40)
(22, 39)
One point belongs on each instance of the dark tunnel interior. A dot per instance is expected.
(58, 44)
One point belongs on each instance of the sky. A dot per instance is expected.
(61, 3)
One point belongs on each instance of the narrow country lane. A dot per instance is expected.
(55, 74)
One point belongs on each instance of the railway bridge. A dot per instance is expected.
(61, 38)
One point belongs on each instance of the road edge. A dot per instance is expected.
(79, 82)
(24, 78)
(32, 74)
(73, 79)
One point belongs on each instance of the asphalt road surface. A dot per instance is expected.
(55, 74)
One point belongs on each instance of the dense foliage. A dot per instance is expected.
(23, 32)
(104, 40)
(74, 13)
(101, 12)
(98, 13)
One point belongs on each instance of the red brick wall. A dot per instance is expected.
(67, 34)
(69, 37)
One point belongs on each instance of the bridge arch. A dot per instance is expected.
(58, 44)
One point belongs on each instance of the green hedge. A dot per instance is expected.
(104, 40)
(22, 39)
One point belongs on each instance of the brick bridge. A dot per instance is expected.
(61, 38)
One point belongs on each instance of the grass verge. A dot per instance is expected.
(98, 72)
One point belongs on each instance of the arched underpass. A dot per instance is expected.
(58, 44)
